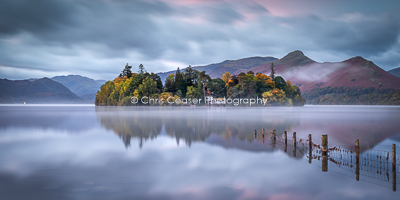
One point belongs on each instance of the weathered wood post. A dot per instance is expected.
(324, 146)
(274, 139)
(324, 162)
(309, 148)
(274, 133)
(294, 139)
(394, 166)
(357, 160)
(262, 133)
(294, 144)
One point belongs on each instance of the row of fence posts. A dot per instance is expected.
(325, 150)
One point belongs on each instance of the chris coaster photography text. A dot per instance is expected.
(193, 101)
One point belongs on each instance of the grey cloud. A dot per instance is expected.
(99, 37)
(222, 13)
(365, 37)
(33, 15)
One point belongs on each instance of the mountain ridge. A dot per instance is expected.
(215, 70)
(42, 90)
(309, 74)
(82, 86)
(395, 72)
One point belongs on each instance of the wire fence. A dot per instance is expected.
(366, 162)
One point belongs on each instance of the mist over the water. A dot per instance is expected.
(87, 152)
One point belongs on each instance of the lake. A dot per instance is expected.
(88, 152)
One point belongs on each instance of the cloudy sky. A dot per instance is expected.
(96, 38)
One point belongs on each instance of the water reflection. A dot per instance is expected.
(183, 153)
(234, 127)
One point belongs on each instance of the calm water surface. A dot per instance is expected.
(87, 152)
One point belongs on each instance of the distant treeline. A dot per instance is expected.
(352, 96)
(191, 83)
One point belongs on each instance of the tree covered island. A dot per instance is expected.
(192, 84)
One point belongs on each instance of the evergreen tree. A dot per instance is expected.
(189, 76)
(178, 80)
(272, 74)
(126, 71)
(141, 70)
(204, 79)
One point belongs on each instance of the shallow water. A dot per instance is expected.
(87, 152)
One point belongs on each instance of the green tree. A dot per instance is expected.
(280, 82)
(148, 87)
(217, 87)
(204, 79)
(141, 70)
(190, 76)
(170, 83)
(180, 82)
(126, 72)
(102, 96)
(157, 79)
(226, 77)
(193, 92)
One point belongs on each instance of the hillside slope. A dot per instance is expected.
(43, 90)
(83, 87)
(395, 72)
(309, 74)
(231, 66)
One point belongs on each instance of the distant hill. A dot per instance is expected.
(231, 66)
(43, 90)
(395, 72)
(309, 74)
(83, 87)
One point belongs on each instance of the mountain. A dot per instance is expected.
(395, 72)
(83, 87)
(308, 74)
(231, 66)
(43, 90)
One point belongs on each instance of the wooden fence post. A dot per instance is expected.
(324, 162)
(294, 138)
(285, 135)
(294, 144)
(309, 148)
(324, 144)
(394, 167)
(357, 160)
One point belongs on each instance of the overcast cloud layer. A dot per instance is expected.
(96, 38)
